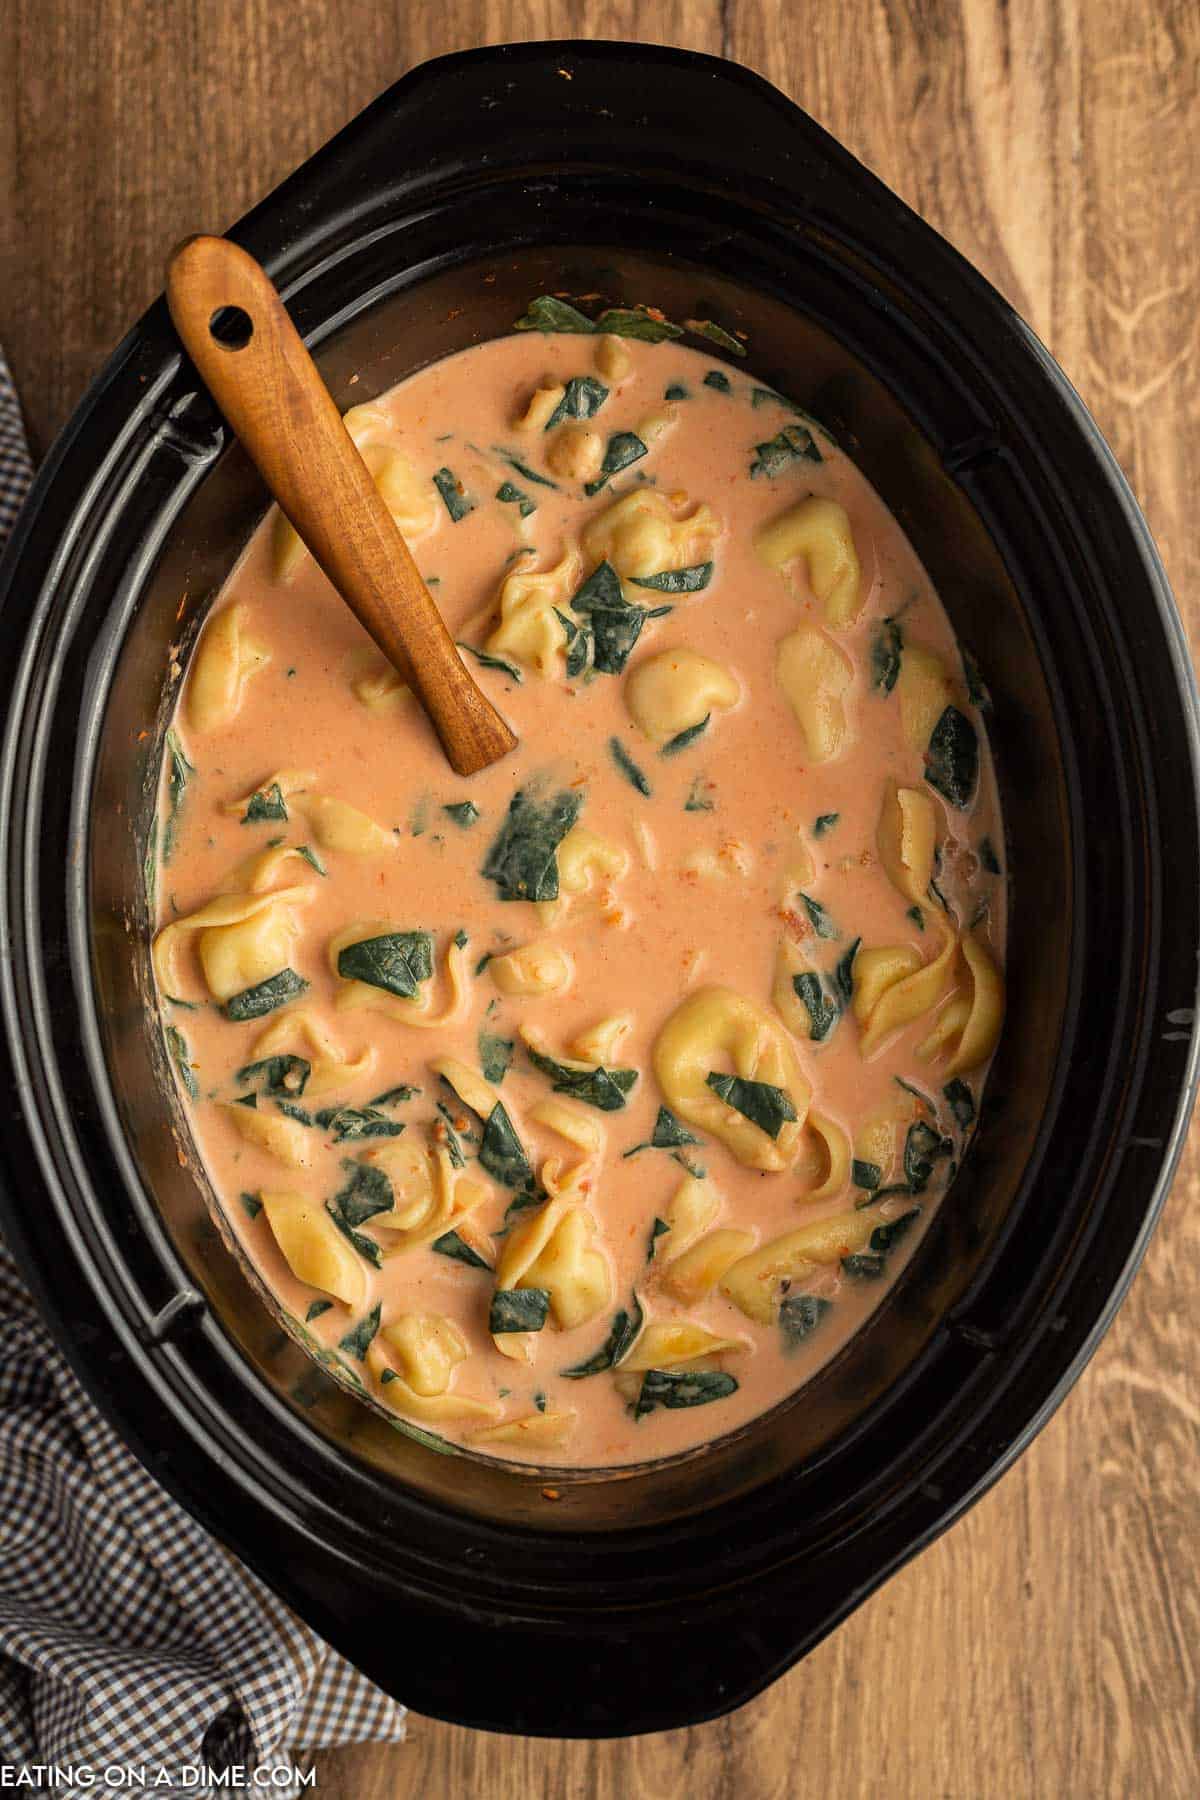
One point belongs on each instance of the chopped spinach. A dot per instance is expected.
(514, 462)
(495, 1056)
(465, 813)
(819, 919)
(886, 1236)
(178, 1046)
(691, 580)
(366, 1193)
(641, 322)
(668, 1134)
(487, 661)
(522, 860)
(184, 1005)
(290, 1111)
(825, 822)
(311, 858)
(716, 334)
(580, 646)
(917, 916)
(267, 805)
(623, 449)
(605, 1089)
(718, 379)
(988, 857)
(582, 398)
(682, 739)
(509, 495)
(252, 1204)
(615, 622)
(793, 444)
(865, 1175)
(254, 1002)
(350, 1124)
(395, 961)
(317, 1308)
(697, 800)
(922, 1148)
(518, 1309)
(461, 940)
(501, 1152)
(843, 974)
(627, 1322)
(887, 644)
(695, 1387)
(178, 771)
(952, 760)
(448, 1131)
(657, 1230)
(453, 1246)
(395, 1096)
(823, 1009)
(547, 313)
(977, 692)
(453, 494)
(676, 391)
(761, 396)
(864, 1265)
(915, 1092)
(961, 1102)
(799, 1316)
(276, 1075)
(358, 1339)
(629, 769)
(764, 1105)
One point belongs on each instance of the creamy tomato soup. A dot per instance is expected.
(582, 1110)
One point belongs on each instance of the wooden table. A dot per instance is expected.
(1048, 1646)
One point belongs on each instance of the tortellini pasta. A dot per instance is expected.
(692, 1276)
(427, 1347)
(335, 824)
(530, 631)
(612, 358)
(417, 1011)
(666, 1344)
(375, 683)
(815, 675)
(907, 839)
(753, 1284)
(640, 535)
(575, 451)
(554, 1250)
(710, 1030)
(312, 1246)
(412, 501)
(819, 531)
(824, 1158)
(969, 1024)
(226, 658)
(585, 860)
(924, 692)
(892, 987)
(283, 1138)
(429, 1195)
(547, 1430)
(532, 969)
(543, 403)
(243, 939)
(676, 690)
(693, 1207)
(601, 1042)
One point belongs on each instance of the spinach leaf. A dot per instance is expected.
(637, 322)
(691, 580)
(887, 645)
(766, 1106)
(988, 857)
(395, 961)
(961, 1102)
(952, 760)
(605, 1089)
(495, 1056)
(311, 858)
(823, 1010)
(547, 313)
(629, 769)
(447, 1133)
(276, 1075)
(682, 739)
(627, 1322)
(582, 398)
(977, 692)
(349, 1124)
(762, 396)
(268, 805)
(358, 1339)
(917, 916)
(580, 646)
(465, 813)
(522, 860)
(366, 1246)
(616, 624)
(486, 661)
(824, 822)
(501, 1152)
(184, 1005)
(864, 1265)
(453, 494)
(668, 1134)
(509, 495)
(865, 1175)
(395, 1096)
(316, 1309)
(922, 1148)
(178, 1046)
(885, 1237)
(698, 800)
(843, 974)
(676, 391)
(623, 449)
(518, 1309)
(657, 1230)
(718, 379)
(451, 1245)
(799, 1316)
(819, 919)
(178, 770)
(275, 991)
(252, 1204)
(366, 1193)
(696, 1387)
(289, 1110)
(916, 1093)
(793, 444)
(716, 334)
(515, 463)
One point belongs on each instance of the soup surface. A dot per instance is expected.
(582, 1110)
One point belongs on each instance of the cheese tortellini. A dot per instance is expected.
(676, 690)
(893, 986)
(754, 1283)
(555, 1251)
(312, 1246)
(907, 839)
(530, 631)
(709, 1031)
(640, 535)
(541, 968)
(818, 531)
(815, 676)
(411, 500)
(226, 658)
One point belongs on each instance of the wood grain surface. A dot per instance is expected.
(1048, 1645)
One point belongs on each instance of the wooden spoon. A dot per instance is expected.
(261, 376)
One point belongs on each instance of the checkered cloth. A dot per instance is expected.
(127, 1636)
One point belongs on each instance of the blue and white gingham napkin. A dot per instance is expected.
(129, 1639)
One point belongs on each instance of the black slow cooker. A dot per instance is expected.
(655, 1598)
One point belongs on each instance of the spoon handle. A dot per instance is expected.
(238, 333)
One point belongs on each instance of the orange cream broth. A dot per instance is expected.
(643, 942)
